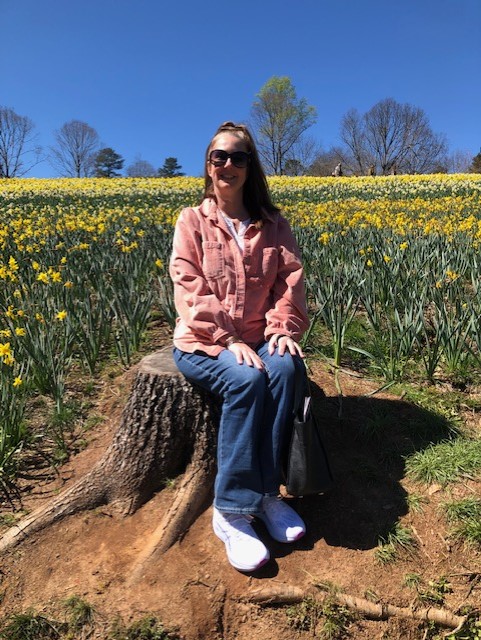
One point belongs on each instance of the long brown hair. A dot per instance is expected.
(256, 195)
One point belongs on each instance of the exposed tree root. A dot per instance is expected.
(188, 501)
(286, 594)
(167, 425)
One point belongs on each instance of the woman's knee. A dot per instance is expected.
(246, 378)
(284, 367)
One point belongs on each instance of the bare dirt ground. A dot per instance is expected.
(193, 589)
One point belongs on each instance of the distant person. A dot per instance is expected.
(372, 170)
(337, 170)
(239, 295)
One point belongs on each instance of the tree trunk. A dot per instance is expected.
(167, 425)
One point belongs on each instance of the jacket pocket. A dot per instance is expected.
(269, 262)
(213, 259)
(264, 273)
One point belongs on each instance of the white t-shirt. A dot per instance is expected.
(238, 235)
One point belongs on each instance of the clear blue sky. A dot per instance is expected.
(155, 78)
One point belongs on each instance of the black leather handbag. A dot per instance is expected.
(307, 469)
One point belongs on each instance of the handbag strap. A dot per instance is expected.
(302, 390)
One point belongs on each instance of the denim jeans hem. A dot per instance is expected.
(242, 512)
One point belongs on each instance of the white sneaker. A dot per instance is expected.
(282, 522)
(244, 549)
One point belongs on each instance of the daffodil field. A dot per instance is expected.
(393, 274)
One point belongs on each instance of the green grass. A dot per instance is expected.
(148, 628)
(7, 520)
(465, 517)
(31, 626)
(325, 621)
(446, 462)
(416, 502)
(444, 402)
(80, 613)
(471, 631)
(397, 540)
(434, 592)
(78, 620)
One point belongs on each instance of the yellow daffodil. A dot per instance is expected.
(13, 264)
(451, 275)
(5, 349)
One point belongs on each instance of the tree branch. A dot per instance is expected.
(286, 594)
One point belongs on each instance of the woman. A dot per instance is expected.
(239, 295)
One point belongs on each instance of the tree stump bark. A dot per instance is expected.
(168, 426)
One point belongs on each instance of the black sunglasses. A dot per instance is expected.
(239, 159)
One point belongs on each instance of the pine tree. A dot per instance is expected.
(476, 164)
(107, 163)
(170, 169)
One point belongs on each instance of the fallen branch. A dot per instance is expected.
(286, 594)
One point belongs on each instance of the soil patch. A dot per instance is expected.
(193, 589)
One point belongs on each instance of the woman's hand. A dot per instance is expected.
(244, 354)
(284, 343)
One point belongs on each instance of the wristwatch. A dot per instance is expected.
(231, 339)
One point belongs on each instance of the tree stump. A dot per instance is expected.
(168, 427)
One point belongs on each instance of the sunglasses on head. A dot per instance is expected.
(239, 159)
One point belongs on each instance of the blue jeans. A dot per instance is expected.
(257, 409)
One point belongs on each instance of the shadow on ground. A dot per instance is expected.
(367, 446)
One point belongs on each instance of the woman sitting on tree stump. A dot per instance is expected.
(240, 300)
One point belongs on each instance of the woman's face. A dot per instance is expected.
(227, 179)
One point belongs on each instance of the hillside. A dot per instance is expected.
(193, 589)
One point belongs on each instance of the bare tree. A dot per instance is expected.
(16, 143)
(325, 161)
(430, 155)
(353, 135)
(279, 120)
(394, 137)
(460, 161)
(76, 149)
(141, 169)
(301, 156)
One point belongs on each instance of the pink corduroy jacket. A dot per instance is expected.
(221, 292)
